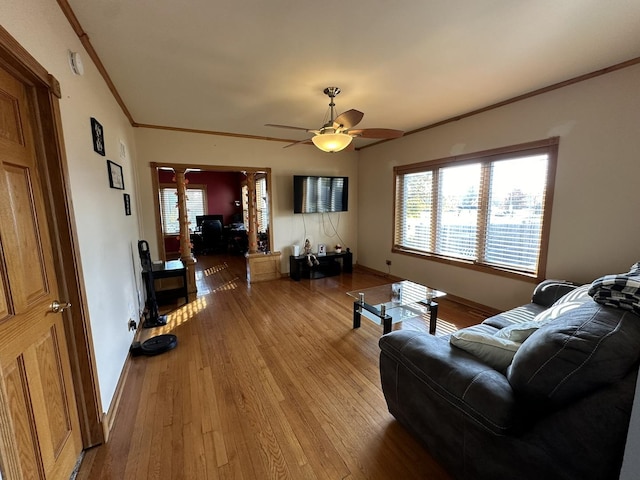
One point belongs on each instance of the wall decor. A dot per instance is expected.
(98, 136)
(115, 175)
(127, 204)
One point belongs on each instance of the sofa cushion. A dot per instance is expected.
(522, 314)
(581, 350)
(495, 351)
(519, 332)
(426, 365)
(549, 291)
(578, 294)
(546, 294)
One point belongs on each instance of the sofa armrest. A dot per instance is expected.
(548, 292)
(411, 361)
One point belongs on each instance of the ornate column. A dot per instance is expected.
(260, 266)
(253, 207)
(185, 238)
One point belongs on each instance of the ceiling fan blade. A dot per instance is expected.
(307, 141)
(288, 126)
(376, 133)
(348, 119)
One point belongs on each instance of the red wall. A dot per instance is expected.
(223, 188)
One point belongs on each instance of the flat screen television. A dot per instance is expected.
(315, 194)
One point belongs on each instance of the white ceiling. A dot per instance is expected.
(233, 66)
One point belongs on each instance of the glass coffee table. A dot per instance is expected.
(394, 302)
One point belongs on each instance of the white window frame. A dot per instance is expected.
(476, 257)
(262, 204)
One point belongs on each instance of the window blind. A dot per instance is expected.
(262, 215)
(196, 200)
(515, 212)
(485, 209)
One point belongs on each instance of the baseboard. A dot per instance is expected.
(109, 417)
(484, 309)
(378, 273)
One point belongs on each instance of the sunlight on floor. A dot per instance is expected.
(215, 269)
(230, 285)
(421, 323)
(217, 278)
(445, 328)
(186, 312)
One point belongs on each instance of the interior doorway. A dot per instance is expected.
(215, 193)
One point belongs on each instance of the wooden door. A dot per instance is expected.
(39, 430)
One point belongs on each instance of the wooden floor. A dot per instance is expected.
(269, 381)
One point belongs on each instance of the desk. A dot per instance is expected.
(170, 269)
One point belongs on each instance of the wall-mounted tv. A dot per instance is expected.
(313, 194)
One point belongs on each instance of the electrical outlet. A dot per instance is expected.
(132, 324)
(389, 263)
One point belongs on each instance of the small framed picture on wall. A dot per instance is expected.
(115, 175)
(97, 133)
(127, 204)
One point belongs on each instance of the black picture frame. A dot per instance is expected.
(116, 180)
(127, 204)
(97, 133)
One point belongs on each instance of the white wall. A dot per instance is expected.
(594, 228)
(105, 234)
(288, 228)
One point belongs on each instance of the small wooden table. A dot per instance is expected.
(393, 302)
(170, 269)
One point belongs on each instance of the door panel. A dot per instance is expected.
(23, 423)
(36, 390)
(29, 282)
(4, 307)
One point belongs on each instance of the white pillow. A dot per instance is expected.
(494, 351)
(519, 332)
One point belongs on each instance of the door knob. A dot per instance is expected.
(57, 307)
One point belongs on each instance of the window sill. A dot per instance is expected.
(471, 265)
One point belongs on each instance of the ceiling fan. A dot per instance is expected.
(337, 133)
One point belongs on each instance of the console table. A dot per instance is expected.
(330, 264)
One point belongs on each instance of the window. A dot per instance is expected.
(489, 210)
(262, 213)
(196, 201)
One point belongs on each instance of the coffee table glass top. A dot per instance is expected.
(401, 299)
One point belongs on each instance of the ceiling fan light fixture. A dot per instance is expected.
(332, 142)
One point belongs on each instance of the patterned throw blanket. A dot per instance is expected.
(620, 291)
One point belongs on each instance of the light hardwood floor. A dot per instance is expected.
(269, 381)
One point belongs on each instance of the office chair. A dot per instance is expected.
(212, 237)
